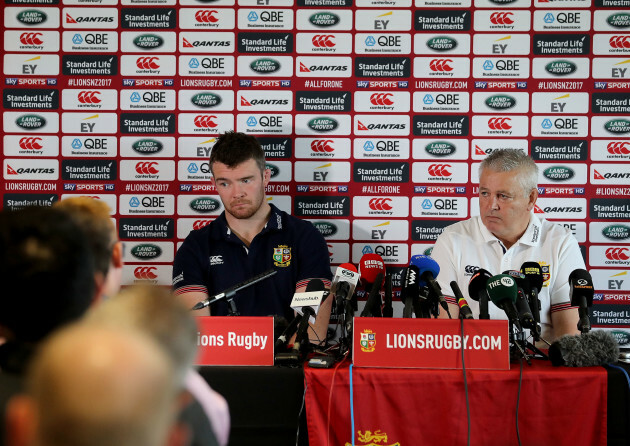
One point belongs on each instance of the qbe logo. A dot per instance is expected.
(89, 146)
(147, 100)
(375, 43)
(439, 207)
(395, 253)
(366, 148)
(201, 65)
(146, 204)
(562, 20)
(90, 41)
(265, 123)
(515, 67)
(441, 101)
(279, 19)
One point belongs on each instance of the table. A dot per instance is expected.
(558, 406)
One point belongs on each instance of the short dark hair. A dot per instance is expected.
(233, 148)
(46, 271)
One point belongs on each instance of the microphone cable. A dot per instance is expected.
(518, 399)
(461, 319)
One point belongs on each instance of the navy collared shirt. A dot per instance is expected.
(213, 258)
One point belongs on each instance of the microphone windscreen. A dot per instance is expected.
(369, 267)
(425, 264)
(477, 284)
(590, 349)
(349, 266)
(501, 287)
(315, 285)
(533, 272)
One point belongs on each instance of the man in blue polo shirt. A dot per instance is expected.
(251, 236)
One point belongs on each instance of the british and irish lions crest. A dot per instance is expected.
(282, 256)
(368, 341)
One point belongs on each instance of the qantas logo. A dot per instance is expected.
(145, 272)
(440, 170)
(204, 16)
(364, 127)
(608, 175)
(198, 224)
(197, 43)
(323, 41)
(322, 146)
(479, 151)
(205, 121)
(305, 69)
(499, 123)
(622, 42)
(12, 171)
(31, 39)
(147, 168)
(380, 204)
(30, 144)
(381, 99)
(89, 97)
(618, 148)
(538, 210)
(441, 65)
(148, 63)
(617, 254)
(502, 18)
(70, 19)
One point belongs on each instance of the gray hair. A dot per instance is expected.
(508, 160)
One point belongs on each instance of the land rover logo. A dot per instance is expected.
(618, 126)
(323, 124)
(325, 228)
(619, 20)
(440, 148)
(205, 205)
(561, 67)
(558, 173)
(502, 2)
(274, 169)
(206, 100)
(148, 41)
(146, 251)
(30, 122)
(428, 251)
(147, 146)
(324, 19)
(616, 232)
(32, 17)
(441, 43)
(500, 102)
(265, 66)
(622, 337)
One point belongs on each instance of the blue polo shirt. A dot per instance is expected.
(213, 258)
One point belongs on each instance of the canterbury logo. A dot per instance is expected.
(501, 18)
(322, 145)
(380, 204)
(198, 224)
(205, 121)
(323, 41)
(147, 168)
(441, 65)
(440, 170)
(618, 148)
(381, 99)
(204, 16)
(303, 68)
(30, 144)
(145, 272)
(31, 39)
(148, 63)
(620, 41)
(617, 253)
(89, 97)
(499, 123)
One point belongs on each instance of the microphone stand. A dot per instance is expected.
(516, 349)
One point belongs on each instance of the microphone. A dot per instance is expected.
(388, 309)
(230, 292)
(343, 285)
(581, 294)
(303, 303)
(429, 270)
(502, 291)
(464, 310)
(288, 332)
(477, 291)
(586, 350)
(410, 291)
(372, 270)
(522, 305)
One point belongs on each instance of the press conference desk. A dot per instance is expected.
(412, 406)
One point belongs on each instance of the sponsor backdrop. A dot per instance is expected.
(374, 115)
